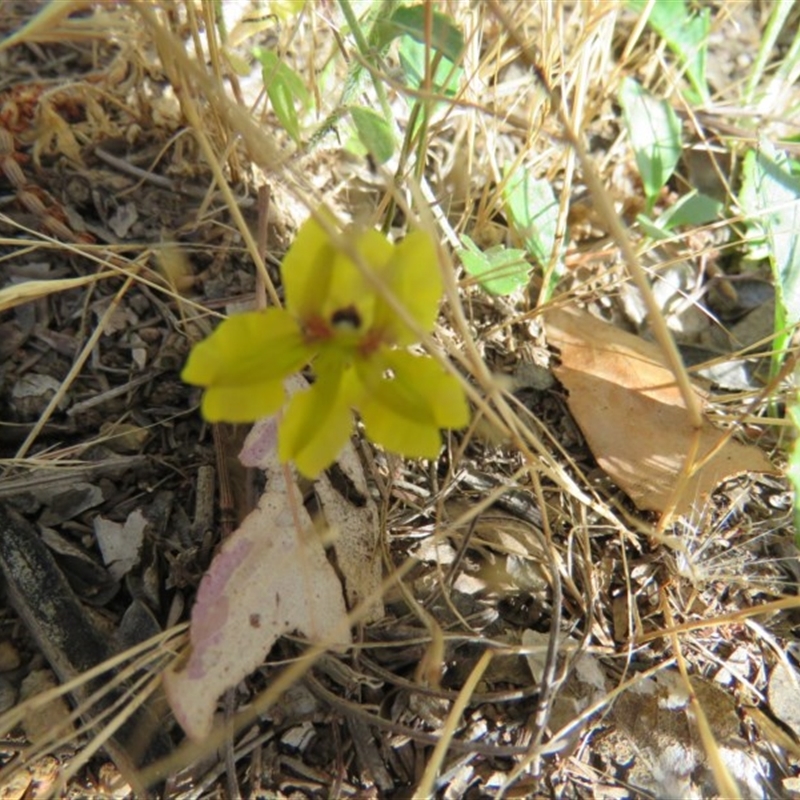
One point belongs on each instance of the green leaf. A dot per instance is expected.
(651, 228)
(685, 33)
(655, 134)
(284, 86)
(770, 197)
(410, 21)
(499, 270)
(446, 78)
(374, 132)
(793, 467)
(693, 208)
(533, 212)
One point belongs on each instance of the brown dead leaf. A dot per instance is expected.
(628, 405)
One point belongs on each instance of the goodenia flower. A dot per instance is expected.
(336, 321)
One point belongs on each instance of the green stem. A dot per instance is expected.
(780, 11)
(367, 54)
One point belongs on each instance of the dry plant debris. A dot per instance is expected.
(628, 405)
(508, 618)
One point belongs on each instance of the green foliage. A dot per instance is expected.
(770, 199)
(437, 63)
(687, 36)
(447, 44)
(446, 38)
(446, 77)
(779, 17)
(694, 209)
(387, 22)
(532, 211)
(373, 132)
(284, 88)
(499, 270)
(793, 467)
(655, 134)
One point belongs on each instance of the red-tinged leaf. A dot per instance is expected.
(268, 579)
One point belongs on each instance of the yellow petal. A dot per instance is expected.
(323, 282)
(405, 412)
(233, 404)
(307, 269)
(243, 363)
(414, 277)
(318, 422)
(349, 287)
(398, 433)
(248, 349)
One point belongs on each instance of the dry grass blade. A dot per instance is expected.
(426, 785)
(31, 290)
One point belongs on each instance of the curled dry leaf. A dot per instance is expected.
(654, 731)
(350, 513)
(271, 577)
(628, 405)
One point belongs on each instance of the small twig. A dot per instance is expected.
(425, 787)
(450, 576)
(506, 696)
(230, 756)
(726, 785)
(548, 684)
(228, 513)
(454, 745)
(110, 394)
(145, 175)
(77, 366)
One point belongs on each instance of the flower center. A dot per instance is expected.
(346, 319)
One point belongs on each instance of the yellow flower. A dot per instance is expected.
(336, 321)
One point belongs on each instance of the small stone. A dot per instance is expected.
(16, 786)
(792, 787)
(44, 773)
(9, 656)
(124, 437)
(32, 393)
(783, 694)
(112, 783)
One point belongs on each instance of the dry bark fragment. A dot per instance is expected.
(70, 642)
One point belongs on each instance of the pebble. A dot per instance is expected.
(9, 656)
